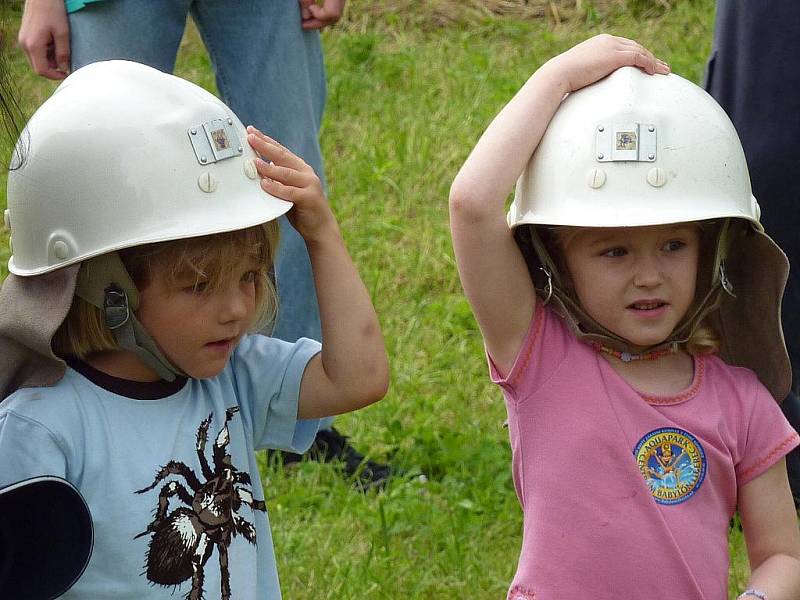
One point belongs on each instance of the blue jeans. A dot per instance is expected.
(268, 70)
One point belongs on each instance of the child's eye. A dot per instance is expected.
(674, 245)
(615, 252)
(198, 287)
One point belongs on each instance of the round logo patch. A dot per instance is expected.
(672, 462)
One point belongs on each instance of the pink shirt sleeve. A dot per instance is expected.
(544, 348)
(767, 435)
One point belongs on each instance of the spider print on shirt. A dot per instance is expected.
(183, 540)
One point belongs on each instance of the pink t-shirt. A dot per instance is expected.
(627, 495)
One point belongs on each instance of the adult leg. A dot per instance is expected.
(272, 74)
(146, 32)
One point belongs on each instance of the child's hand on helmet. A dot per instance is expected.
(287, 176)
(599, 56)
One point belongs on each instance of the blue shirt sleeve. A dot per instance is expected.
(267, 374)
(28, 449)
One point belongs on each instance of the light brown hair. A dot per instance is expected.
(208, 260)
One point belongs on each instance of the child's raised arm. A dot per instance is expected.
(492, 270)
(352, 370)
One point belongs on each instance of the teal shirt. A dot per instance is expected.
(74, 5)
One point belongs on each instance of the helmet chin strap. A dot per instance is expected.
(586, 328)
(104, 282)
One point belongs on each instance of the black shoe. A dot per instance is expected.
(331, 446)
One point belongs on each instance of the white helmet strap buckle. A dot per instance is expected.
(548, 287)
(133, 337)
(724, 281)
(104, 282)
(115, 307)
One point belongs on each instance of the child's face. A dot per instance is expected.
(638, 282)
(198, 330)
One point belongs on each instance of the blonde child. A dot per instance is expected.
(143, 243)
(634, 255)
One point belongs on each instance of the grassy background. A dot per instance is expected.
(412, 85)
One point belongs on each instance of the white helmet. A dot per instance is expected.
(635, 150)
(123, 155)
(119, 156)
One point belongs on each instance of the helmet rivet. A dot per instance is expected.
(656, 177)
(7, 219)
(601, 128)
(600, 156)
(203, 159)
(595, 178)
(250, 169)
(240, 149)
(61, 250)
(207, 182)
(651, 156)
(230, 121)
(193, 131)
(651, 128)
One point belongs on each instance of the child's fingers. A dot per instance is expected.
(265, 138)
(260, 142)
(257, 132)
(280, 173)
(280, 190)
(275, 152)
(638, 58)
(642, 57)
(628, 42)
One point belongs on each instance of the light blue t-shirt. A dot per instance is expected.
(172, 483)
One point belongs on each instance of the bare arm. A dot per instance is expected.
(769, 522)
(44, 36)
(492, 270)
(352, 370)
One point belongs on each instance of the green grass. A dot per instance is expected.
(410, 91)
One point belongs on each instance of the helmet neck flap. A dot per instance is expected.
(104, 282)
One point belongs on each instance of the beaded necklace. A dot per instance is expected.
(630, 356)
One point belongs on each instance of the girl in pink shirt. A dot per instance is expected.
(631, 317)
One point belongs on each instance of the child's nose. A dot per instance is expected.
(648, 272)
(234, 304)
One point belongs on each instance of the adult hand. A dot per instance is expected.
(315, 16)
(44, 36)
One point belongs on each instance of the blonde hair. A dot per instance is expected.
(208, 259)
(702, 341)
